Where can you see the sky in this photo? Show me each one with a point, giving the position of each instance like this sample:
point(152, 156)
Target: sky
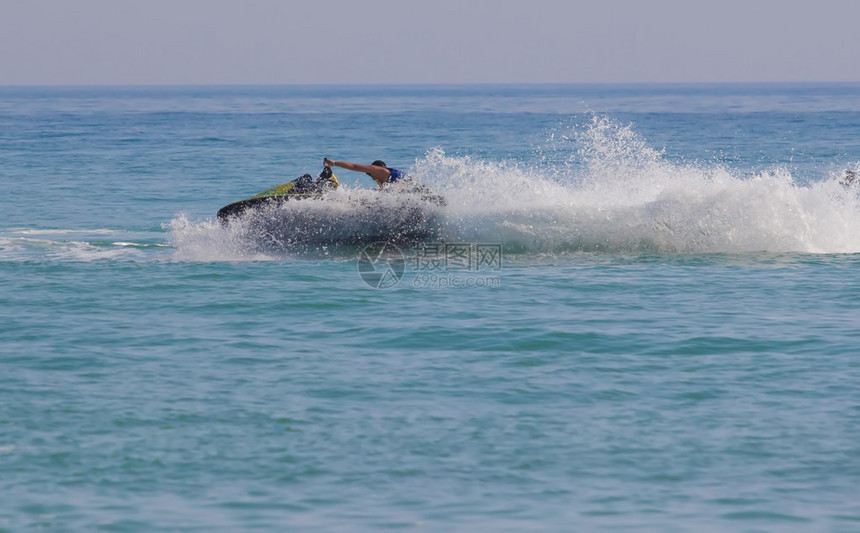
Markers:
point(165, 42)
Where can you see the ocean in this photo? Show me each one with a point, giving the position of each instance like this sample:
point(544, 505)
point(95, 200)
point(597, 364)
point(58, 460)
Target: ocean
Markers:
point(637, 309)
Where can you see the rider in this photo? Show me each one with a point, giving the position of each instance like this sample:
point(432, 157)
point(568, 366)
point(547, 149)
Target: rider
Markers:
point(377, 170)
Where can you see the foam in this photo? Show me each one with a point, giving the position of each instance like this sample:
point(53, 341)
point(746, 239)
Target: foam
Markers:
point(597, 188)
point(21, 244)
point(209, 241)
point(614, 193)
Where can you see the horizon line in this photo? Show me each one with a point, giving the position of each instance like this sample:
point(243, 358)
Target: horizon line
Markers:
point(424, 84)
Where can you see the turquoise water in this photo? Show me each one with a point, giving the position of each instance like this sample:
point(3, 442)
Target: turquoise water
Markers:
point(667, 341)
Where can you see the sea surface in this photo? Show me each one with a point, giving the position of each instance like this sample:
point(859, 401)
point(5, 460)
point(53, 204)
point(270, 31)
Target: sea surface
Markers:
point(638, 310)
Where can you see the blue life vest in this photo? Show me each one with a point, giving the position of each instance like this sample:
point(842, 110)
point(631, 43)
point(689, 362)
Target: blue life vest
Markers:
point(395, 176)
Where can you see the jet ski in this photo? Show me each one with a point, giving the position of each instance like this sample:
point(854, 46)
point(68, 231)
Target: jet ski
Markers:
point(309, 212)
point(301, 188)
